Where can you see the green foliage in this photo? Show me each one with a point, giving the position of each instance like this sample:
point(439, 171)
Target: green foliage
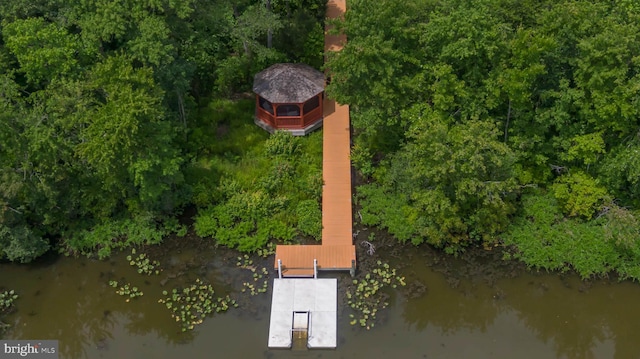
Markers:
point(247, 221)
point(458, 105)
point(44, 50)
point(282, 143)
point(313, 47)
point(21, 244)
point(143, 263)
point(585, 148)
point(310, 218)
point(543, 239)
point(268, 186)
point(451, 185)
point(7, 300)
point(621, 172)
point(151, 45)
point(232, 74)
point(361, 159)
point(127, 290)
point(98, 111)
point(579, 194)
point(114, 234)
point(172, 225)
point(366, 296)
point(623, 229)
point(393, 212)
point(190, 305)
point(296, 33)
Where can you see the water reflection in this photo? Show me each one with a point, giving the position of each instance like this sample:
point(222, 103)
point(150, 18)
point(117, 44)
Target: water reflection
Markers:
point(58, 310)
point(437, 309)
point(529, 316)
point(579, 320)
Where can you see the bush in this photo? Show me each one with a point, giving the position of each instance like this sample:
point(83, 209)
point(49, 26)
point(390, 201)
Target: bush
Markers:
point(260, 183)
point(115, 234)
point(379, 208)
point(231, 75)
point(310, 218)
point(544, 239)
point(21, 244)
point(282, 143)
point(242, 228)
point(579, 194)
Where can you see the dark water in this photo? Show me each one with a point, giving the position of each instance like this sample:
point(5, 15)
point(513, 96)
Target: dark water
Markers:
point(530, 316)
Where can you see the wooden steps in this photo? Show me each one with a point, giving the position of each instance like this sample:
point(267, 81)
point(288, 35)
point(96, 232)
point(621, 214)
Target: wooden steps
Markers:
point(297, 260)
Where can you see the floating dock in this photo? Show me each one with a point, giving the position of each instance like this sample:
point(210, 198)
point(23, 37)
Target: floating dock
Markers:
point(304, 308)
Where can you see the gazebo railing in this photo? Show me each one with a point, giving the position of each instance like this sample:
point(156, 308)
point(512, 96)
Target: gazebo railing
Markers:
point(312, 116)
point(265, 116)
point(289, 122)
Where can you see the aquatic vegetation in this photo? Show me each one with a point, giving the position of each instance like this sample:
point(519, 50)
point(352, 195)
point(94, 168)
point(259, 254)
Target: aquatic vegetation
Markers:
point(253, 290)
point(365, 296)
point(245, 262)
point(267, 251)
point(262, 274)
point(143, 263)
point(7, 298)
point(126, 290)
point(190, 305)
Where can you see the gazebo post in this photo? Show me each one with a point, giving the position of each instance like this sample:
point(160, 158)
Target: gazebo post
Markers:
point(257, 104)
point(301, 123)
point(275, 114)
point(321, 102)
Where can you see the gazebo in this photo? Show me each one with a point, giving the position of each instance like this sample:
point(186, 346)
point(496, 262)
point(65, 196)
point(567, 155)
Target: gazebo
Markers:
point(289, 97)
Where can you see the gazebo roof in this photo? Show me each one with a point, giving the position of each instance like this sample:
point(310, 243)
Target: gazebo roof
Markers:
point(288, 83)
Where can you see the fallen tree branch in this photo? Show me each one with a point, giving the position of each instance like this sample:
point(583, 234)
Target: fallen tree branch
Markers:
point(371, 250)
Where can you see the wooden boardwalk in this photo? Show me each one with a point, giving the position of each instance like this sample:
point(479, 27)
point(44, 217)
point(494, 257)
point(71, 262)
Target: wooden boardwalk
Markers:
point(337, 251)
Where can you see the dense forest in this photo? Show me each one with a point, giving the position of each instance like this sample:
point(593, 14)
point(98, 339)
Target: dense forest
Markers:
point(496, 123)
point(113, 123)
point(499, 123)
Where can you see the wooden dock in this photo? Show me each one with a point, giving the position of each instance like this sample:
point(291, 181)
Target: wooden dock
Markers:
point(337, 251)
point(307, 308)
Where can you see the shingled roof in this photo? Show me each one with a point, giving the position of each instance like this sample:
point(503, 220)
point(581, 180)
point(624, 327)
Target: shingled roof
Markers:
point(288, 83)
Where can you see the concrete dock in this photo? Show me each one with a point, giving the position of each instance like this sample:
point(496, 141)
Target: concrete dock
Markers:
point(296, 299)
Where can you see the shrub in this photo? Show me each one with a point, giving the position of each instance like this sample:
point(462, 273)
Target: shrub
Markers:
point(115, 234)
point(310, 218)
point(266, 191)
point(544, 239)
point(579, 194)
point(282, 143)
point(21, 244)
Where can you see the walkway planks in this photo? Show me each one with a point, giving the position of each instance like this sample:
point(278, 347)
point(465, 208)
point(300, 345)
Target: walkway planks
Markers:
point(336, 173)
point(337, 251)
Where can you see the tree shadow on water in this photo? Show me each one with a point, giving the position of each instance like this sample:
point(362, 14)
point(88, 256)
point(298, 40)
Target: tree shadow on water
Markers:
point(465, 310)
